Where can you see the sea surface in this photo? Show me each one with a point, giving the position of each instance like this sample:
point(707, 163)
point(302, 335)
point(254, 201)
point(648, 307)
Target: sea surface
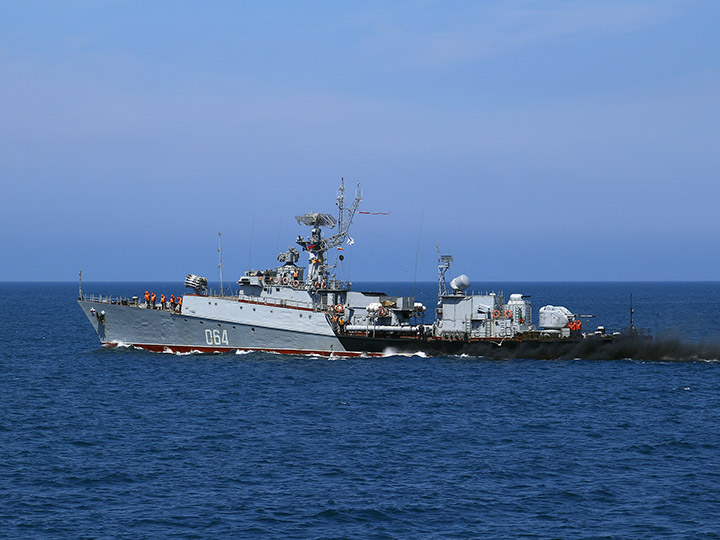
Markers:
point(122, 443)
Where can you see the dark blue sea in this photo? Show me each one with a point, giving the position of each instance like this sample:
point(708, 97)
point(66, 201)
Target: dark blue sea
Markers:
point(121, 443)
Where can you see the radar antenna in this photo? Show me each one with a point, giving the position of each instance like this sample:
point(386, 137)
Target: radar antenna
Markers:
point(316, 245)
point(316, 219)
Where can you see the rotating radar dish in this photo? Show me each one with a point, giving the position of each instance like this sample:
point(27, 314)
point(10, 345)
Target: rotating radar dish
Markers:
point(316, 219)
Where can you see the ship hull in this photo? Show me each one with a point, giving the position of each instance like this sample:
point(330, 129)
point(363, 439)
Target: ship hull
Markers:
point(162, 330)
point(268, 328)
point(540, 349)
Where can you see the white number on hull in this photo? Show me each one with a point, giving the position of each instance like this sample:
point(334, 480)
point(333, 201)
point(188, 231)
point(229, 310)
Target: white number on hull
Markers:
point(214, 337)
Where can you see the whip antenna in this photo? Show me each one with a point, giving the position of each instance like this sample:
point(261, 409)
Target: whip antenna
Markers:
point(220, 265)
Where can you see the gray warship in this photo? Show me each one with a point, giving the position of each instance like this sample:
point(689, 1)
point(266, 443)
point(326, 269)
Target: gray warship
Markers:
point(304, 309)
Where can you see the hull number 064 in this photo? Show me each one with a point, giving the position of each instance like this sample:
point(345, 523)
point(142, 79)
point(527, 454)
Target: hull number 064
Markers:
point(215, 337)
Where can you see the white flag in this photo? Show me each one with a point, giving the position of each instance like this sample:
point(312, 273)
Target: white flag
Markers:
point(350, 241)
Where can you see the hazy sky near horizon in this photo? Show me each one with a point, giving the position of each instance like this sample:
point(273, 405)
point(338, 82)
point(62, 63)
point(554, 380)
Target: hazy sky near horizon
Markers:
point(533, 140)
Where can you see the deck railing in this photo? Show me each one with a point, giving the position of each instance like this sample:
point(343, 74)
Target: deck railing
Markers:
point(110, 299)
point(136, 302)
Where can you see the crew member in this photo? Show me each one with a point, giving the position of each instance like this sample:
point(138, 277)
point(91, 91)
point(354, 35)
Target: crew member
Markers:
point(147, 299)
point(179, 299)
point(162, 301)
point(152, 299)
point(172, 302)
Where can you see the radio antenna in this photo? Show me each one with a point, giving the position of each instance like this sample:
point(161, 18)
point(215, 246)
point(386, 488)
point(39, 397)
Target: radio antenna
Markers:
point(252, 232)
point(417, 251)
point(220, 265)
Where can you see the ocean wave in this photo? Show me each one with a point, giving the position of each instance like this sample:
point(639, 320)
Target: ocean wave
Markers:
point(122, 345)
point(390, 352)
point(188, 353)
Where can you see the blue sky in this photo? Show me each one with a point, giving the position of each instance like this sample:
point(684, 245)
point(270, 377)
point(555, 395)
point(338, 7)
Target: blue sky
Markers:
point(533, 140)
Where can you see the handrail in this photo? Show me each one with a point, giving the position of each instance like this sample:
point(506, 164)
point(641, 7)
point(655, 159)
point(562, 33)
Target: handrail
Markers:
point(106, 299)
point(238, 297)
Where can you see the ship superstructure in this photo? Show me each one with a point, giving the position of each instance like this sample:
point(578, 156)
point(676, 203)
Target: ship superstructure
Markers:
point(297, 309)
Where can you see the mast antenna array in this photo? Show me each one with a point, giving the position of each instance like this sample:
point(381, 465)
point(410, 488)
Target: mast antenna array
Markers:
point(345, 217)
point(316, 245)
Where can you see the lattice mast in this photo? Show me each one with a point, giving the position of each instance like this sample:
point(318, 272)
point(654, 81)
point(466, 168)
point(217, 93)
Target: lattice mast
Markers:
point(443, 266)
point(315, 244)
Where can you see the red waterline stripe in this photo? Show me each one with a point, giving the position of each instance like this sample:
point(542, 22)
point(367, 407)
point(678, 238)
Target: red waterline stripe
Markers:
point(187, 349)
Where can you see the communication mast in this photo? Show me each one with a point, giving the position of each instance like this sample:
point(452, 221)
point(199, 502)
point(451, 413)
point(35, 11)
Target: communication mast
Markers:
point(315, 244)
point(443, 266)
